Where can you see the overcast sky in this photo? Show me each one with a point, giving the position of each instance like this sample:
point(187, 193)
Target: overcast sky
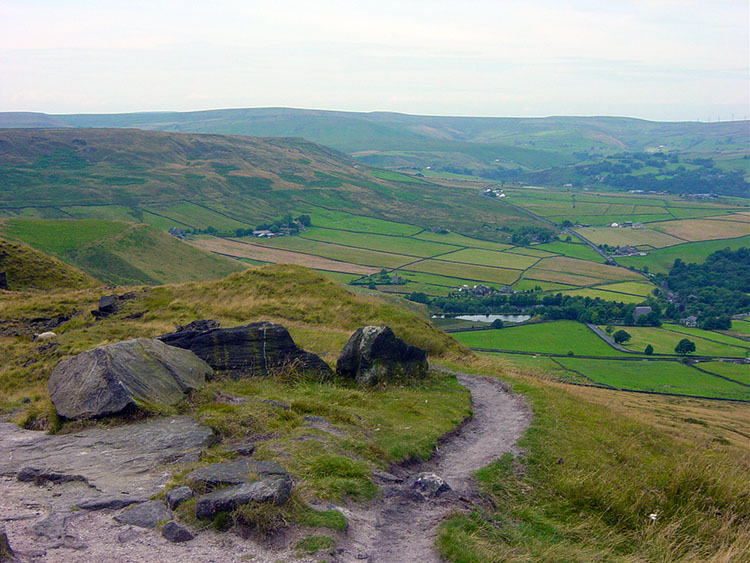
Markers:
point(655, 59)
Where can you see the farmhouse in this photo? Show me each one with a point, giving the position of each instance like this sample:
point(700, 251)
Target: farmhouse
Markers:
point(264, 233)
point(691, 321)
point(176, 232)
point(640, 311)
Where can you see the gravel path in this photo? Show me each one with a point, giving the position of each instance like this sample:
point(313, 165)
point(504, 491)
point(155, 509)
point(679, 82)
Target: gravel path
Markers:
point(402, 526)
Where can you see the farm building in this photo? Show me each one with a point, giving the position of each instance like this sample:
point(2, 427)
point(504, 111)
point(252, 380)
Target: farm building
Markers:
point(640, 311)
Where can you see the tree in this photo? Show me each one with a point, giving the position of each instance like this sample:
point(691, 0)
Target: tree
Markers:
point(609, 329)
point(621, 337)
point(497, 323)
point(684, 347)
point(648, 350)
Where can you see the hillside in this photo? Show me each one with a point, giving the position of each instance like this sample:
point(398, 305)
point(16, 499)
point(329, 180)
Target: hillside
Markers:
point(227, 182)
point(400, 140)
point(118, 253)
point(26, 268)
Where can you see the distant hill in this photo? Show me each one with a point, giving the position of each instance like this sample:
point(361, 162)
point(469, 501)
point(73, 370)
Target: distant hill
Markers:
point(227, 181)
point(393, 139)
point(116, 253)
point(26, 268)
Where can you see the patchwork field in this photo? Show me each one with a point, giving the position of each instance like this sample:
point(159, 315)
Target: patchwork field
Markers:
point(661, 260)
point(624, 236)
point(558, 337)
point(703, 229)
point(736, 372)
point(656, 377)
point(664, 339)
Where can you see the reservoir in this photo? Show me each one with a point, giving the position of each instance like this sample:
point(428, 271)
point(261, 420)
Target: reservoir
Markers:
point(488, 318)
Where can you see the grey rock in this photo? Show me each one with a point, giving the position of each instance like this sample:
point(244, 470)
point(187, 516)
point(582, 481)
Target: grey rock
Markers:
point(244, 450)
point(111, 379)
point(321, 423)
point(42, 476)
point(119, 462)
point(145, 515)
point(175, 497)
point(430, 484)
point(277, 404)
point(374, 355)
point(255, 349)
point(274, 490)
point(234, 472)
point(129, 535)
point(53, 532)
point(175, 533)
point(108, 304)
point(109, 503)
point(387, 477)
point(6, 552)
point(202, 325)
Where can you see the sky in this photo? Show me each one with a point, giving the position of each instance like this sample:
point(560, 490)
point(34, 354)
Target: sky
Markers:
point(670, 60)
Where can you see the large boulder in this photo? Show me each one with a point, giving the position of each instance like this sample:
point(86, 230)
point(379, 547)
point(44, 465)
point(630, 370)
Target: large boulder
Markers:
point(374, 355)
point(255, 349)
point(273, 490)
point(111, 379)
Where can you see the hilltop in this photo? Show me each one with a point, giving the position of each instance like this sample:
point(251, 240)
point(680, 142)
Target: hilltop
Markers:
point(26, 268)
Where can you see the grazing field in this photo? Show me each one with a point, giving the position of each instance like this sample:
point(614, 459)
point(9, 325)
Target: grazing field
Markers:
point(657, 377)
point(382, 243)
point(661, 260)
point(738, 217)
point(525, 284)
point(693, 230)
point(558, 337)
point(460, 240)
point(741, 326)
point(466, 271)
point(706, 334)
point(664, 340)
point(59, 237)
point(347, 221)
point(642, 289)
point(586, 268)
point(571, 250)
point(598, 291)
point(560, 277)
point(623, 236)
point(274, 255)
point(197, 216)
point(491, 258)
point(735, 372)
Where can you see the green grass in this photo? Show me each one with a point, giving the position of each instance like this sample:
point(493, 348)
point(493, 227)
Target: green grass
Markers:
point(664, 341)
point(660, 261)
point(198, 216)
point(574, 250)
point(633, 288)
point(735, 372)
point(596, 465)
point(461, 240)
point(558, 337)
point(121, 253)
point(383, 243)
point(707, 335)
point(490, 258)
point(601, 293)
point(496, 276)
point(350, 222)
point(657, 377)
point(741, 326)
point(26, 268)
point(524, 284)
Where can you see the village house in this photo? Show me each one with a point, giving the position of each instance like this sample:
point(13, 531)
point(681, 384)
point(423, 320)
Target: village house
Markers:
point(691, 321)
point(640, 311)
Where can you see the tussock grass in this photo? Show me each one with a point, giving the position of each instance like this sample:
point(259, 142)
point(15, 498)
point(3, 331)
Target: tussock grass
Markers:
point(597, 466)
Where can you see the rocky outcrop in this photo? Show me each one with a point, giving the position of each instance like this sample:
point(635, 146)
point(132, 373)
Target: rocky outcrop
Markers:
point(175, 497)
point(234, 472)
point(116, 464)
point(111, 379)
point(374, 355)
point(255, 349)
point(275, 490)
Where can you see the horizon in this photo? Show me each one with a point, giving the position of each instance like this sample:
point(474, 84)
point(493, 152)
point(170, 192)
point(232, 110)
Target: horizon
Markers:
point(659, 60)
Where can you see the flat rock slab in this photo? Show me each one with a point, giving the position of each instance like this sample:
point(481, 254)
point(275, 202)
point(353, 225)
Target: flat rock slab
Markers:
point(275, 490)
point(235, 472)
point(175, 533)
point(175, 497)
point(145, 515)
point(124, 461)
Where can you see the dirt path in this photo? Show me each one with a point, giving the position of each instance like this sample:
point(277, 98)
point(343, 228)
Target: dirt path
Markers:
point(401, 527)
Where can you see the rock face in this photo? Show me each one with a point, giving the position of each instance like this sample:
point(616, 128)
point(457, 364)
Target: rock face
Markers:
point(274, 490)
point(235, 472)
point(110, 379)
point(374, 355)
point(117, 464)
point(255, 349)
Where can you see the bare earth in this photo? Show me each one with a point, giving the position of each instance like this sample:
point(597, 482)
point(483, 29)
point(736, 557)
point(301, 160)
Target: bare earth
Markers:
point(400, 527)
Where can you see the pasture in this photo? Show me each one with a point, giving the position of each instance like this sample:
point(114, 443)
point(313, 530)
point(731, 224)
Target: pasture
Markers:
point(665, 339)
point(656, 377)
point(661, 260)
point(624, 236)
point(693, 230)
point(558, 337)
point(735, 372)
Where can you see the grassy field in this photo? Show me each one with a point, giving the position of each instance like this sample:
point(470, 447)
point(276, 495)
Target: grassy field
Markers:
point(664, 340)
point(572, 250)
point(491, 258)
point(597, 291)
point(558, 337)
point(693, 230)
point(384, 243)
point(741, 326)
point(26, 268)
point(735, 372)
point(642, 289)
point(661, 260)
point(657, 377)
point(622, 236)
point(121, 253)
point(466, 271)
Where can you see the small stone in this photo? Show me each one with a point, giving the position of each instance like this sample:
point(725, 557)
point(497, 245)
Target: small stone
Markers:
point(145, 515)
point(105, 503)
point(244, 450)
point(175, 533)
point(175, 497)
point(431, 484)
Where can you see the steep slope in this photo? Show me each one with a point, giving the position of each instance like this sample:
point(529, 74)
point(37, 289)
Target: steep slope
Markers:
point(239, 181)
point(120, 253)
point(26, 268)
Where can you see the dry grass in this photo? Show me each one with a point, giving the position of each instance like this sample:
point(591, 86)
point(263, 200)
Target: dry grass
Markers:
point(586, 268)
point(623, 236)
point(703, 229)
